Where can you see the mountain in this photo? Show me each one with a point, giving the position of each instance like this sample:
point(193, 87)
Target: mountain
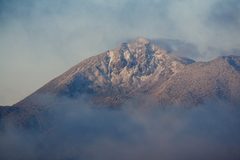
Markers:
point(140, 67)
point(139, 72)
point(114, 76)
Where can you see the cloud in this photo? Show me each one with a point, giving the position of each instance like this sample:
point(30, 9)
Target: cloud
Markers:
point(42, 39)
point(210, 131)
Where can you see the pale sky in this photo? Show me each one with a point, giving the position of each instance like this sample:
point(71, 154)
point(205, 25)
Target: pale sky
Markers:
point(39, 40)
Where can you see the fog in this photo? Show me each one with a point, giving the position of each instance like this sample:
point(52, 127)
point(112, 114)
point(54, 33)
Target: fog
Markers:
point(82, 131)
point(42, 39)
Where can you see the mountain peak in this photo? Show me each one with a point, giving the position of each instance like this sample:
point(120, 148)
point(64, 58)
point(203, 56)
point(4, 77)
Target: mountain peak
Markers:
point(120, 71)
point(129, 67)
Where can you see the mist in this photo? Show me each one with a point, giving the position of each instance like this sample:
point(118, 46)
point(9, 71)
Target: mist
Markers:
point(42, 39)
point(83, 131)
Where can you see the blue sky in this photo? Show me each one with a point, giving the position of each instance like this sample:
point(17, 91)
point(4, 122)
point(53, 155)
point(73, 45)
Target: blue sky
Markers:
point(39, 40)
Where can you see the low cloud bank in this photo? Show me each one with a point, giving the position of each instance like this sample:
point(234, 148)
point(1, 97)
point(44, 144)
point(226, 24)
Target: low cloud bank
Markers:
point(210, 131)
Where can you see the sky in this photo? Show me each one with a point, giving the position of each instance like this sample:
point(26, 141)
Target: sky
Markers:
point(39, 40)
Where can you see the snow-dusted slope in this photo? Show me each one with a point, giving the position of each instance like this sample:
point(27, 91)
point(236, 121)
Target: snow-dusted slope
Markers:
point(116, 73)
